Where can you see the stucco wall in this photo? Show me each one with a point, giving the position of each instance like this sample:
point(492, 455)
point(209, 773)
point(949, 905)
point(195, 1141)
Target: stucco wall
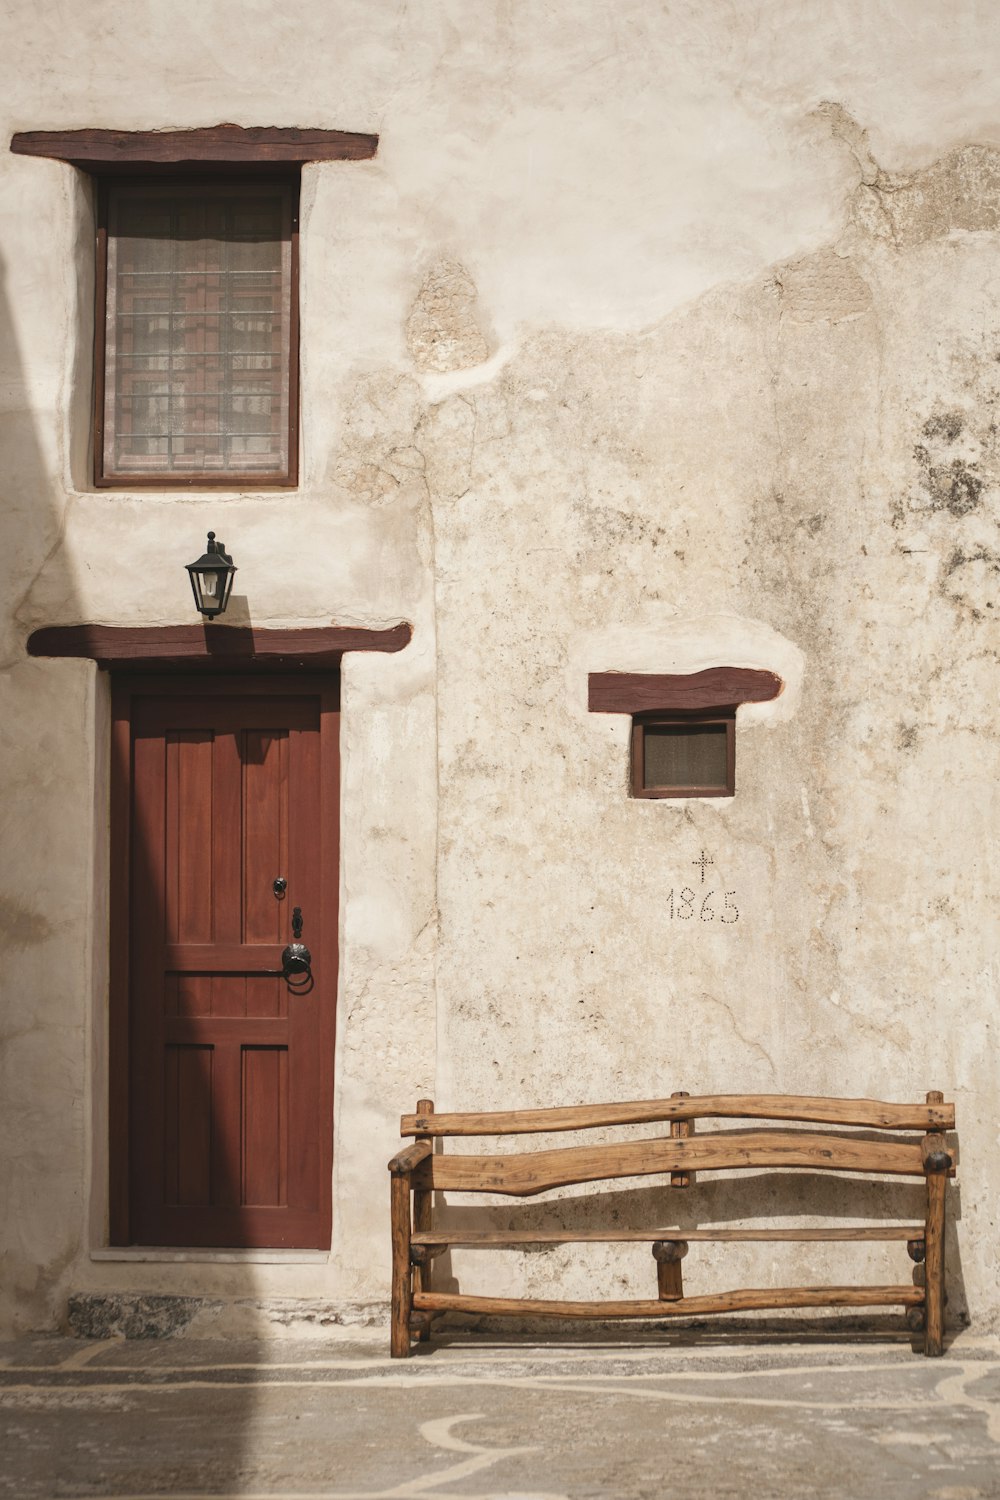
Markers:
point(651, 339)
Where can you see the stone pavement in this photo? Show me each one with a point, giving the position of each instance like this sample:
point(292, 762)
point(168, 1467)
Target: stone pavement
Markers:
point(480, 1417)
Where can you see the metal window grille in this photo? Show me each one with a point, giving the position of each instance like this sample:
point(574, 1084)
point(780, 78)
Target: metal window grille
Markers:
point(198, 330)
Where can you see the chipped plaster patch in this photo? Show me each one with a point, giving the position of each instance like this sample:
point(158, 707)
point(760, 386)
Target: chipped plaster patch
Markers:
point(825, 287)
point(443, 331)
point(973, 579)
point(958, 193)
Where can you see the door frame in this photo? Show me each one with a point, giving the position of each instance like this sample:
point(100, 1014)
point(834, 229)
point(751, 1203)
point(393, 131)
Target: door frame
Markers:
point(126, 688)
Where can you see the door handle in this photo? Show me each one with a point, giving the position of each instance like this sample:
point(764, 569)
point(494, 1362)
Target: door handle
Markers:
point(296, 960)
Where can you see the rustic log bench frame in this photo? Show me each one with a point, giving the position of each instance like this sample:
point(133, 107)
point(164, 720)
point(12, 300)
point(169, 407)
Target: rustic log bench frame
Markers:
point(418, 1171)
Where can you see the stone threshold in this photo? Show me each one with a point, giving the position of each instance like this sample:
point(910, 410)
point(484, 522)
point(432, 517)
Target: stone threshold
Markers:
point(144, 1315)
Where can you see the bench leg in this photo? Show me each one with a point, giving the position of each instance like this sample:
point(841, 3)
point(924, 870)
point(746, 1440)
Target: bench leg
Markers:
point(402, 1299)
point(934, 1265)
point(421, 1283)
point(422, 1207)
point(668, 1255)
point(935, 1159)
point(669, 1283)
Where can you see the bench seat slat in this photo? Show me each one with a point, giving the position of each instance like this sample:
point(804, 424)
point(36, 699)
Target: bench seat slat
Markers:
point(525, 1173)
point(721, 1302)
point(513, 1238)
point(874, 1114)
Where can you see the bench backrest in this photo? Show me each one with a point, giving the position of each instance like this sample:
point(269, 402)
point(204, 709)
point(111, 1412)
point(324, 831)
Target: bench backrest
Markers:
point(524, 1173)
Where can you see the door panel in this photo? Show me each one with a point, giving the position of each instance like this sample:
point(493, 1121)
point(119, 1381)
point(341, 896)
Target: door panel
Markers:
point(187, 1133)
point(230, 1069)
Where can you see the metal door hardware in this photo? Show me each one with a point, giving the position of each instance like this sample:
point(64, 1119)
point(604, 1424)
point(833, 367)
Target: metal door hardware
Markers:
point(296, 960)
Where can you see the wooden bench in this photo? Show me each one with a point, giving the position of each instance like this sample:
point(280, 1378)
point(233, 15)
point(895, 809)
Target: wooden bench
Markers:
point(883, 1150)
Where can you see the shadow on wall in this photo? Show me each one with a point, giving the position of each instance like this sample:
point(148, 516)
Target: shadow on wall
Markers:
point(54, 860)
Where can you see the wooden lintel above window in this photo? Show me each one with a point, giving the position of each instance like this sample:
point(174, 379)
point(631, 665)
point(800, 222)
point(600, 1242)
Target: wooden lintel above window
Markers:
point(230, 648)
point(212, 146)
point(691, 692)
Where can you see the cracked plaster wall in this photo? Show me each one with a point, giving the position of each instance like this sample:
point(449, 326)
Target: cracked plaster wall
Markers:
point(630, 350)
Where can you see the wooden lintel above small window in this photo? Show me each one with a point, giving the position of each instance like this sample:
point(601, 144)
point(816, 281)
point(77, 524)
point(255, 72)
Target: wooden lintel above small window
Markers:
point(167, 648)
point(212, 146)
point(690, 692)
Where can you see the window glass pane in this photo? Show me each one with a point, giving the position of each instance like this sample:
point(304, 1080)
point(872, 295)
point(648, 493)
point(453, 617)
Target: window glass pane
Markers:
point(685, 755)
point(198, 332)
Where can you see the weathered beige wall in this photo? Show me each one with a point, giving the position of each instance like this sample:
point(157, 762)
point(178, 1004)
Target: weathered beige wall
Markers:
point(652, 339)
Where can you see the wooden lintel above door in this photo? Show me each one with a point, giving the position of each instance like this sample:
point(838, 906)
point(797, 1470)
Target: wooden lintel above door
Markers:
point(171, 648)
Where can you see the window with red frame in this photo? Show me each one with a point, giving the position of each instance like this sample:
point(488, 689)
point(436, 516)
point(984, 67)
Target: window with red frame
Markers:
point(691, 755)
point(197, 332)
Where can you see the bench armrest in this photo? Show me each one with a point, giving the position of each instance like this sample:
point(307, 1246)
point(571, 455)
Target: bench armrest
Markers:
point(413, 1155)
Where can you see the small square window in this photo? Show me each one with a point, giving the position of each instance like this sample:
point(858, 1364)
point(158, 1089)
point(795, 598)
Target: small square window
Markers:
point(675, 756)
point(197, 332)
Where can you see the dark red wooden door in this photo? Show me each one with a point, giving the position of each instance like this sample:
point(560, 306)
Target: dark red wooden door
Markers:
point(230, 1068)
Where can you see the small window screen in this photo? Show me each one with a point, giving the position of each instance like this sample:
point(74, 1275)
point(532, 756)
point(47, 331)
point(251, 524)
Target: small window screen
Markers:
point(199, 338)
point(683, 759)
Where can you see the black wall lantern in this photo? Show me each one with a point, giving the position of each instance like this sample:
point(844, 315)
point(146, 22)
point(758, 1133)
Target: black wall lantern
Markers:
point(212, 578)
